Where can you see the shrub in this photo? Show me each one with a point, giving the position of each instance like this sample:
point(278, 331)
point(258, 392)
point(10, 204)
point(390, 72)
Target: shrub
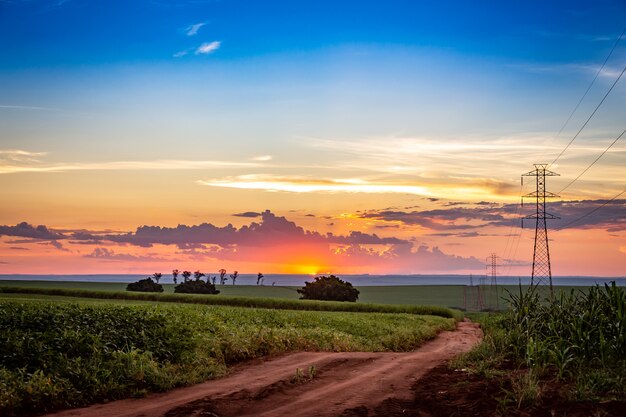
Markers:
point(144, 285)
point(196, 287)
point(330, 289)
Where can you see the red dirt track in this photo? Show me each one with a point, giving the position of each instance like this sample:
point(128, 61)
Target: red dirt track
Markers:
point(344, 383)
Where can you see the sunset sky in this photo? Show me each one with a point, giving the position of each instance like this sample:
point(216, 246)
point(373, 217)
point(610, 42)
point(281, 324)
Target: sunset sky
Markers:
point(307, 137)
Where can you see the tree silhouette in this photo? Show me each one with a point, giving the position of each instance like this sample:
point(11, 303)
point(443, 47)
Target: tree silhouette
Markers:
point(186, 275)
point(157, 277)
point(259, 278)
point(234, 276)
point(197, 275)
point(329, 288)
point(175, 273)
point(222, 276)
point(145, 285)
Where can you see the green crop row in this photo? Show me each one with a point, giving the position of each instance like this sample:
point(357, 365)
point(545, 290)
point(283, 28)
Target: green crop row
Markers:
point(254, 302)
point(63, 355)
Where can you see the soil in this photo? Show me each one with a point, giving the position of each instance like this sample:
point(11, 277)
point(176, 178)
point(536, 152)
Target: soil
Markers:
point(445, 392)
point(304, 384)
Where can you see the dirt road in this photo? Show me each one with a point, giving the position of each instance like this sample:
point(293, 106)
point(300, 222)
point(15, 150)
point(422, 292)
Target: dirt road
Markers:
point(328, 384)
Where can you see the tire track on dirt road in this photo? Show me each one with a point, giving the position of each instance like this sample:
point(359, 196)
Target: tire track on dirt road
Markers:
point(341, 381)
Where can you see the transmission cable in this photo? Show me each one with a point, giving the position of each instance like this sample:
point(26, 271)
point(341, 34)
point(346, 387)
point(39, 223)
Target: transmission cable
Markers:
point(590, 213)
point(589, 118)
point(593, 163)
point(591, 84)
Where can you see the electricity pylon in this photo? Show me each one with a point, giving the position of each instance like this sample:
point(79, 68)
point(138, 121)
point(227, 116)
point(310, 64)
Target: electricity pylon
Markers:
point(491, 266)
point(542, 272)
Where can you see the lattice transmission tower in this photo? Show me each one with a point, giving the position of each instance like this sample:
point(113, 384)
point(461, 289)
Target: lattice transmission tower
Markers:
point(492, 272)
point(542, 271)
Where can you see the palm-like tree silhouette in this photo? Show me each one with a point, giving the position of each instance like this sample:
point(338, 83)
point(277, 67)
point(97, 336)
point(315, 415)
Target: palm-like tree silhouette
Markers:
point(222, 276)
point(157, 276)
point(186, 275)
point(197, 275)
point(234, 276)
point(175, 273)
point(259, 278)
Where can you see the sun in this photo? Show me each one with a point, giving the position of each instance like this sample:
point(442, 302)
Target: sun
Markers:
point(306, 269)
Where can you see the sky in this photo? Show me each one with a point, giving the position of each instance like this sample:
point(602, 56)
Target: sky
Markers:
point(342, 137)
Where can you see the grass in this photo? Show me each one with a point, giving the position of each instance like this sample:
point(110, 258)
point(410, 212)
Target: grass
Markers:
point(438, 295)
point(272, 303)
point(62, 355)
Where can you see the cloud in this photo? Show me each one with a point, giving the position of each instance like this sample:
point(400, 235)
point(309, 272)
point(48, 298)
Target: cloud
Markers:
point(611, 217)
point(105, 254)
point(451, 221)
point(56, 244)
point(19, 161)
point(24, 229)
point(180, 54)
point(16, 107)
point(192, 30)
point(19, 156)
point(442, 219)
point(272, 239)
point(262, 158)
point(208, 48)
point(313, 185)
point(247, 214)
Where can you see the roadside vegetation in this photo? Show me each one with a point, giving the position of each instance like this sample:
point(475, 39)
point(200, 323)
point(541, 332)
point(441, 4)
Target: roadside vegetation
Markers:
point(543, 352)
point(252, 302)
point(62, 355)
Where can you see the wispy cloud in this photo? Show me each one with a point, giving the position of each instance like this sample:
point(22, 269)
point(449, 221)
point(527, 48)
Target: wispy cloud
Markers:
point(17, 161)
point(262, 158)
point(208, 48)
point(19, 156)
point(180, 54)
point(570, 68)
point(192, 30)
point(311, 185)
point(15, 107)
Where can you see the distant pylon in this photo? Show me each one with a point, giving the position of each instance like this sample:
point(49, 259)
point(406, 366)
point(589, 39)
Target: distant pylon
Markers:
point(542, 271)
point(492, 265)
point(473, 297)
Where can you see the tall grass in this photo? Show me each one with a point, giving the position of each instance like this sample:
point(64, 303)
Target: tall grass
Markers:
point(578, 338)
point(576, 334)
point(254, 302)
point(62, 355)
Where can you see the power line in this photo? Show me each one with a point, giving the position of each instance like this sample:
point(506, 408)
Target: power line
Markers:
point(589, 118)
point(591, 84)
point(590, 213)
point(508, 238)
point(593, 163)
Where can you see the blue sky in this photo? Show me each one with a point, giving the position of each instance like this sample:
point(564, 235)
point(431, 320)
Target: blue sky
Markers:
point(72, 33)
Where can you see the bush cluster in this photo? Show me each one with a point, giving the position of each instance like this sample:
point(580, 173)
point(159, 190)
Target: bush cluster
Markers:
point(329, 288)
point(196, 287)
point(144, 285)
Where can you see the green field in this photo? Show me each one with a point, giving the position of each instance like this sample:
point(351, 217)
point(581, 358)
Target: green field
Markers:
point(60, 352)
point(437, 295)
